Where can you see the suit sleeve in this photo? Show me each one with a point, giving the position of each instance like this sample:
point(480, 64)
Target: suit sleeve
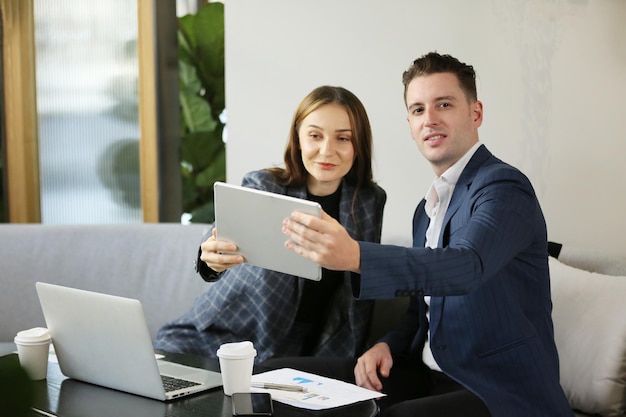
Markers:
point(496, 220)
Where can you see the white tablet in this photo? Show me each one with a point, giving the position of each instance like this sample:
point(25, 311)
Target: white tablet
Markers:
point(253, 220)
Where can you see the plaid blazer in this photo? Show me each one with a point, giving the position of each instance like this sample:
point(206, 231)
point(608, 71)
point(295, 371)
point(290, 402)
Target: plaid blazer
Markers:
point(256, 304)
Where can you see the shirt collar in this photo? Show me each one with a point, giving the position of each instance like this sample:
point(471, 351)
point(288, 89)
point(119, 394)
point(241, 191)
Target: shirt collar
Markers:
point(449, 178)
point(452, 174)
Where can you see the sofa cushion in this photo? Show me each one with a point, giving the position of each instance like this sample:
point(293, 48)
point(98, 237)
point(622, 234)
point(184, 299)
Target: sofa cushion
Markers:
point(590, 331)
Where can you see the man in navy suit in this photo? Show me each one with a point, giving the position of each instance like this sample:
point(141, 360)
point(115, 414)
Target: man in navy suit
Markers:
point(477, 339)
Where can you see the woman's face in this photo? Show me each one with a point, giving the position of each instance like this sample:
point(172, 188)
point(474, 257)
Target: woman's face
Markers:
point(326, 148)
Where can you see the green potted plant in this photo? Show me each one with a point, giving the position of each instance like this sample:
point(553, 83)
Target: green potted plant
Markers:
point(202, 104)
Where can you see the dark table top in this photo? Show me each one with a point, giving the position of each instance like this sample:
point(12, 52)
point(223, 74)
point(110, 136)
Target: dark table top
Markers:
point(65, 397)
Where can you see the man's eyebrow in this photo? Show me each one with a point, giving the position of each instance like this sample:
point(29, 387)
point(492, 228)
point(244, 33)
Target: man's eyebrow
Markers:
point(436, 100)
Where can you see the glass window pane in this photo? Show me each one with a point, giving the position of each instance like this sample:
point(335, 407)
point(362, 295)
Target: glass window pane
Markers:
point(87, 99)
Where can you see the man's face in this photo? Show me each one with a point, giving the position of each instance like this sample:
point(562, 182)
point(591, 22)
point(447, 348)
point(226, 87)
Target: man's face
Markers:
point(442, 121)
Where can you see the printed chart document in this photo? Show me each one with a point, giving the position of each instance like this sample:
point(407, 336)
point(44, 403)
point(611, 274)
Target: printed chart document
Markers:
point(319, 392)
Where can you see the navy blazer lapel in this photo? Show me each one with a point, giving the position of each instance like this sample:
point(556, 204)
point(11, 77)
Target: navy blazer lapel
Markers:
point(420, 225)
point(458, 196)
point(462, 187)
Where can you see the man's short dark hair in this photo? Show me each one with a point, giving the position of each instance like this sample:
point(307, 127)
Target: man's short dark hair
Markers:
point(434, 63)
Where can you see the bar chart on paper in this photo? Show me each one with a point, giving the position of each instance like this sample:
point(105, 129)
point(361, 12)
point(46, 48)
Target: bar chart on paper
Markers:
point(316, 392)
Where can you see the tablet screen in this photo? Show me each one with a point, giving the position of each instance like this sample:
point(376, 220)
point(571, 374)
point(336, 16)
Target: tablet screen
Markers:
point(253, 220)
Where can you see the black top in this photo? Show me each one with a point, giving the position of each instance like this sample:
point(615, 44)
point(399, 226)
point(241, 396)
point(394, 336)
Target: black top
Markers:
point(317, 295)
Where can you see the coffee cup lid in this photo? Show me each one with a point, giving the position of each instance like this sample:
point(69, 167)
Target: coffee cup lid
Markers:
point(237, 350)
point(34, 335)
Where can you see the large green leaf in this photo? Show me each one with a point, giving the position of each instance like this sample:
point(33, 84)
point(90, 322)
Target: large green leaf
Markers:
point(190, 194)
point(185, 51)
point(205, 35)
point(204, 213)
point(200, 149)
point(210, 44)
point(214, 172)
point(188, 78)
point(196, 113)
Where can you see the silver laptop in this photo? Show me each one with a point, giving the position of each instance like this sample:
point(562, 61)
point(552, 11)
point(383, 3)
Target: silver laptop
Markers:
point(104, 340)
point(253, 220)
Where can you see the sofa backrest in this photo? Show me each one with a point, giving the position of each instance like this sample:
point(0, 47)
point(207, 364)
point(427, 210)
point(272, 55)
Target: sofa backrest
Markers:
point(152, 262)
point(589, 314)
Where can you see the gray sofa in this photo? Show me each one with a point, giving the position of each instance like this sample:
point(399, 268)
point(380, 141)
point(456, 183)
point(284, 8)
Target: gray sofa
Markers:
point(151, 262)
point(155, 264)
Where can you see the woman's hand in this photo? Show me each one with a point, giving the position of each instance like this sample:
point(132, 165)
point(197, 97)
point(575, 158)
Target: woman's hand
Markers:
point(218, 255)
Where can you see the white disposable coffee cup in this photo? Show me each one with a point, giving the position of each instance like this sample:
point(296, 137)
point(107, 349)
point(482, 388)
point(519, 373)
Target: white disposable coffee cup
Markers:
point(33, 346)
point(236, 362)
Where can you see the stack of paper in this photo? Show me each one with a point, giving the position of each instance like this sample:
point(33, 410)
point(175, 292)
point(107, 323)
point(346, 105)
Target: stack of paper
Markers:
point(318, 392)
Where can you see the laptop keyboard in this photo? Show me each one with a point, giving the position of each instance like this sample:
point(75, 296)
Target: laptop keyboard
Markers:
point(173, 384)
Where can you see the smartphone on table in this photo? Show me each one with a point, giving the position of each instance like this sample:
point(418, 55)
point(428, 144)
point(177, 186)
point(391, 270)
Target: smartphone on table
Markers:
point(252, 404)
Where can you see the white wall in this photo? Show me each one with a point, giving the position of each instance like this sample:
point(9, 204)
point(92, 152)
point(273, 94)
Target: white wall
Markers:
point(551, 75)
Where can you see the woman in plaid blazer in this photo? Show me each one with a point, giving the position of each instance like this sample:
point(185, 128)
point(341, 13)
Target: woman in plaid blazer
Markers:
point(328, 160)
